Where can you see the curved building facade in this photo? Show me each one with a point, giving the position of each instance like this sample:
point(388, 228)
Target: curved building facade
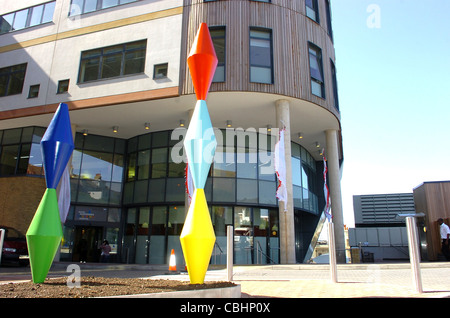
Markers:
point(121, 67)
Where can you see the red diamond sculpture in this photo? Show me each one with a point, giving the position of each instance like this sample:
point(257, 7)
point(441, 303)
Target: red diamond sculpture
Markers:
point(202, 61)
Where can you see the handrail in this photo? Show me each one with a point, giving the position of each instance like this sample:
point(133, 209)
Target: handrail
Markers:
point(259, 253)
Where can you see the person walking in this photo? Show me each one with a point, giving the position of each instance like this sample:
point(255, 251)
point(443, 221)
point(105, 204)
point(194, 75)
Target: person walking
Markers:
point(106, 249)
point(445, 237)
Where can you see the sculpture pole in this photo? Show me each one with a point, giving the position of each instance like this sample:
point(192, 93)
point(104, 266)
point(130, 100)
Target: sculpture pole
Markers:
point(45, 231)
point(197, 237)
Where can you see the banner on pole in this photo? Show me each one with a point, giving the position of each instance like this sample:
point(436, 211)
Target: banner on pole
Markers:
point(280, 168)
point(325, 188)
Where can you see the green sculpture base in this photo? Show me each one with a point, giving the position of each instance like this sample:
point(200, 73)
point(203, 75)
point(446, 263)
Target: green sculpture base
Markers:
point(44, 236)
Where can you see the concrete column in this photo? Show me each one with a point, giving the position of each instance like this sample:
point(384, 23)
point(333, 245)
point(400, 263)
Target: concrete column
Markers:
point(286, 216)
point(334, 182)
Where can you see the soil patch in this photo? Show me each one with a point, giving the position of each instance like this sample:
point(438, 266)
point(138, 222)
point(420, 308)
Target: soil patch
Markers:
point(100, 287)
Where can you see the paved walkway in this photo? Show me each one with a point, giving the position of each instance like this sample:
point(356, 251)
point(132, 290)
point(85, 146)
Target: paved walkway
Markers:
point(287, 281)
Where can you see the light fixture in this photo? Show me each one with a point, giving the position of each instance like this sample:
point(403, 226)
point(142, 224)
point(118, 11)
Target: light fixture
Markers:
point(115, 129)
point(269, 127)
point(181, 123)
point(85, 132)
point(300, 136)
point(228, 123)
point(317, 145)
point(147, 126)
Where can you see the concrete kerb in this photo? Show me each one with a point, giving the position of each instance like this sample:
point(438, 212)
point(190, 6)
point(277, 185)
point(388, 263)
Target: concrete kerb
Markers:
point(226, 292)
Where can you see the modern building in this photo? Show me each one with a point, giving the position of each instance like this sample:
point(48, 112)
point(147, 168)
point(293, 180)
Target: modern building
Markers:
point(380, 233)
point(121, 67)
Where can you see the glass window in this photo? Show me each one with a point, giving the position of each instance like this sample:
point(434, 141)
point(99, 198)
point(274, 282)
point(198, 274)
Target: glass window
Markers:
point(176, 169)
point(28, 17)
point(23, 159)
point(112, 61)
point(247, 163)
point(140, 191)
point(36, 15)
point(160, 71)
point(35, 162)
point(109, 3)
point(221, 217)
point(312, 10)
point(34, 91)
point(142, 236)
point(267, 192)
point(296, 168)
point(160, 139)
point(20, 19)
point(266, 166)
point(224, 190)
point(85, 6)
point(63, 86)
point(176, 220)
point(175, 190)
point(218, 38)
point(158, 236)
point(143, 164)
point(224, 163)
point(27, 134)
point(247, 191)
point(12, 136)
point(8, 160)
point(115, 194)
point(329, 25)
point(129, 235)
point(6, 22)
point(156, 190)
point(12, 79)
point(261, 56)
point(89, 6)
point(96, 166)
point(48, 12)
point(159, 162)
point(297, 194)
point(316, 71)
point(131, 168)
point(335, 87)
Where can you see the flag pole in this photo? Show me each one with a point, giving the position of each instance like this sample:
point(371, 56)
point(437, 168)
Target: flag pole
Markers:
point(331, 237)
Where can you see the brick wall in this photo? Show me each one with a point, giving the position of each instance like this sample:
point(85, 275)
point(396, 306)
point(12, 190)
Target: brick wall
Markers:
point(19, 199)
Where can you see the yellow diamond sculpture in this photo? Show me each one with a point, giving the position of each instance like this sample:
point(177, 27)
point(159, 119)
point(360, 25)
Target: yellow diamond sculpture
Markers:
point(197, 238)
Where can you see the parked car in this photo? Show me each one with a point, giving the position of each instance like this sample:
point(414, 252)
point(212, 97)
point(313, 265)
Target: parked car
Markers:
point(15, 250)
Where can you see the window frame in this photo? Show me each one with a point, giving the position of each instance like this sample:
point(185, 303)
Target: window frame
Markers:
point(98, 6)
point(28, 18)
point(224, 62)
point(9, 72)
point(101, 57)
point(319, 59)
point(270, 40)
point(314, 8)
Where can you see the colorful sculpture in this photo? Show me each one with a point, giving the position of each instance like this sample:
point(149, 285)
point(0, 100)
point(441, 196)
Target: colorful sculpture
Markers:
point(197, 237)
point(45, 231)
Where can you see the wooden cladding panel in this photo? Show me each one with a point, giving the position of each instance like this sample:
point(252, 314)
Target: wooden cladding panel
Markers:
point(291, 32)
point(433, 199)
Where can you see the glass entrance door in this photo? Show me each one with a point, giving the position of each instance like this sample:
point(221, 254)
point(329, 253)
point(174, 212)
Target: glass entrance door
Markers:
point(87, 243)
point(243, 236)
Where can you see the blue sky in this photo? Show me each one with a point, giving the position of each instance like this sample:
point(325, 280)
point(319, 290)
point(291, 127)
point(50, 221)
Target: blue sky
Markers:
point(393, 70)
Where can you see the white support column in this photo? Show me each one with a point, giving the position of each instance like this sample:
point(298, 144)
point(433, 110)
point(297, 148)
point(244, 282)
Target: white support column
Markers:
point(286, 219)
point(334, 176)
